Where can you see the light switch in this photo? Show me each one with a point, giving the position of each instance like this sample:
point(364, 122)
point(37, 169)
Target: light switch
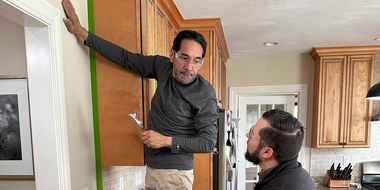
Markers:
point(346, 160)
point(138, 178)
point(121, 183)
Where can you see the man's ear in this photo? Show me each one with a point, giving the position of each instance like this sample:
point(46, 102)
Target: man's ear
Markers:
point(171, 55)
point(268, 152)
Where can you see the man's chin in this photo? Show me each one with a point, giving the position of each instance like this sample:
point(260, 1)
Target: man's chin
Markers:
point(252, 157)
point(185, 80)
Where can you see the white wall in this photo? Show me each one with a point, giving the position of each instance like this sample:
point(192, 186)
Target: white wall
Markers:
point(78, 95)
point(78, 102)
point(270, 70)
point(12, 48)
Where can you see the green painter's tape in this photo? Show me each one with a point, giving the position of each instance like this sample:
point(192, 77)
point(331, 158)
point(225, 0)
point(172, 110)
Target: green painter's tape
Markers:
point(94, 89)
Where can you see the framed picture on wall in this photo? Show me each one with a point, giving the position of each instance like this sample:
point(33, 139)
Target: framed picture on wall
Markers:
point(15, 131)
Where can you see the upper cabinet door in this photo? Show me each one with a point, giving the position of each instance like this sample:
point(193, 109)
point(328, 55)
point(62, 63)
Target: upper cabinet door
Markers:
point(361, 72)
point(158, 28)
point(119, 90)
point(331, 95)
point(148, 9)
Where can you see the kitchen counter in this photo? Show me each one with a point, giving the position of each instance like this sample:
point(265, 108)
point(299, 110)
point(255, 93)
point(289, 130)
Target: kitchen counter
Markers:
point(322, 187)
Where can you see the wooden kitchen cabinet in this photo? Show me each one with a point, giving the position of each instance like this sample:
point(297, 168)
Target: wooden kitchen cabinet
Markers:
point(119, 90)
point(341, 113)
point(158, 28)
point(147, 27)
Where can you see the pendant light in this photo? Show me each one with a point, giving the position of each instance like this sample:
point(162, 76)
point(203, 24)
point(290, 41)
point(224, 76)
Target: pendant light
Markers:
point(374, 92)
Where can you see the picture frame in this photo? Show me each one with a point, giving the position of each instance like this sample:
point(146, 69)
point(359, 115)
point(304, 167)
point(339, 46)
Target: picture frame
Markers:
point(16, 160)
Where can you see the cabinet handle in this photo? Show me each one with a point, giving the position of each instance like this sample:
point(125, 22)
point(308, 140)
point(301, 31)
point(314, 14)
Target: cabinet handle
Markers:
point(343, 143)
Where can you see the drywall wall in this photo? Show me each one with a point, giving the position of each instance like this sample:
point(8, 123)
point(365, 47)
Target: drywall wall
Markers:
point(12, 48)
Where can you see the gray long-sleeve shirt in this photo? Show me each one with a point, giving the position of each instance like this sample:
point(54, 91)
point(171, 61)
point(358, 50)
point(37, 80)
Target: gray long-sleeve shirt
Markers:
point(186, 112)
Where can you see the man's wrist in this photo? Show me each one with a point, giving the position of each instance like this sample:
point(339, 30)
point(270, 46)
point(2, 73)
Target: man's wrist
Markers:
point(169, 142)
point(83, 34)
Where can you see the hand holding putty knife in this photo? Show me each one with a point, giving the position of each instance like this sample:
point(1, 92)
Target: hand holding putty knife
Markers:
point(151, 138)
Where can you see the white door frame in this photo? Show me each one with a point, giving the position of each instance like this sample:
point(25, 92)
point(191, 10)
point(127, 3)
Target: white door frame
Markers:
point(42, 24)
point(235, 92)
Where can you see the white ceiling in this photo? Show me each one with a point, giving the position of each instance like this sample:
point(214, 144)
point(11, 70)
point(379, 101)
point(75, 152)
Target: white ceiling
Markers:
point(297, 25)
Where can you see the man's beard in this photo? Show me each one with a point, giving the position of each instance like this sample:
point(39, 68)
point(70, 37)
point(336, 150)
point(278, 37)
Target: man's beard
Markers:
point(183, 80)
point(253, 157)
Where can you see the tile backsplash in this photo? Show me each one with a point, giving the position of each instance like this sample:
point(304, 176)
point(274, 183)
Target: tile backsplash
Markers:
point(322, 159)
point(123, 177)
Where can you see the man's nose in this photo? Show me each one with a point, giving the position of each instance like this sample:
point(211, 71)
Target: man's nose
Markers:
point(189, 66)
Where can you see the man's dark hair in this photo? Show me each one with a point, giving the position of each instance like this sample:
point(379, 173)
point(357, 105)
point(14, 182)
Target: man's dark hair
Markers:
point(284, 135)
point(189, 35)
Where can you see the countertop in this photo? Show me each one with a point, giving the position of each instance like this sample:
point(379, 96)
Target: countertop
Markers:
point(322, 187)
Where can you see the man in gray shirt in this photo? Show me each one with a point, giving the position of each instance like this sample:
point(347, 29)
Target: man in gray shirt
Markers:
point(183, 115)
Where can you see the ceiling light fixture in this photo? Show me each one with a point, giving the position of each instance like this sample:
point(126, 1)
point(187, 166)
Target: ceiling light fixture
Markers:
point(270, 43)
point(377, 39)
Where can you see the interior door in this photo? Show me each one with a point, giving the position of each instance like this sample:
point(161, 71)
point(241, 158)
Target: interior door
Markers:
point(250, 110)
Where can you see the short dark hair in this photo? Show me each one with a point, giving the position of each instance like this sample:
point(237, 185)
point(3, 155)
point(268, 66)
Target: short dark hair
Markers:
point(189, 35)
point(284, 136)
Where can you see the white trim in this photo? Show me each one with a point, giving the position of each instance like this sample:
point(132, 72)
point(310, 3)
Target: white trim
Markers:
point(43, 41)
point(301, 89)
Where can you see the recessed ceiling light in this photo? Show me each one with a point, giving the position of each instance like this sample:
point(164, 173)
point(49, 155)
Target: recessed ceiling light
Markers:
point(377, 39)
point(270, 43)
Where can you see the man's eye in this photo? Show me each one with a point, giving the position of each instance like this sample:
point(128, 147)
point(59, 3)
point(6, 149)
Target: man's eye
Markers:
point(184, 58)
point(197, 60)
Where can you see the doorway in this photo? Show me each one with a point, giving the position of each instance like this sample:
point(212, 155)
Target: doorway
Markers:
point(265, 97)
point(250, 110)
point(47, 106)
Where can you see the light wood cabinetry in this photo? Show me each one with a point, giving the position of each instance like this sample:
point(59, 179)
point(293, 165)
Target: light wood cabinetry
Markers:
point(119, 90)
point(147, 27)
point(158, 28)
point(341, 114)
